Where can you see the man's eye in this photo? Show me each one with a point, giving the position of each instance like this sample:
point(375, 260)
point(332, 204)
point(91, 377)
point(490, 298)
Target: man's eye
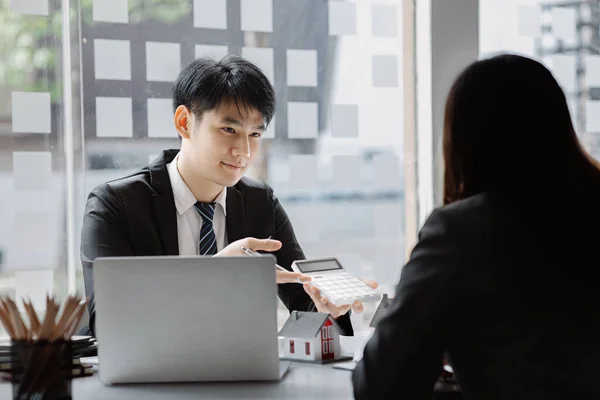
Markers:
point(256, 134)
point(230, 130)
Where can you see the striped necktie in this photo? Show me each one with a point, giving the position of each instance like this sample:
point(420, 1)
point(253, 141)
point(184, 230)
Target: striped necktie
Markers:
point(208, 241)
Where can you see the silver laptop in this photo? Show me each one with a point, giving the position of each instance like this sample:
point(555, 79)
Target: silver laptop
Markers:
point(182, 319)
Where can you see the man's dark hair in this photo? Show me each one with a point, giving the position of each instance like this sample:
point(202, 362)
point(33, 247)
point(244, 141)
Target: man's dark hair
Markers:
point(206, 84)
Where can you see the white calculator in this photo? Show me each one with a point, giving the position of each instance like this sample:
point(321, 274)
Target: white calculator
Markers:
point(334, 282)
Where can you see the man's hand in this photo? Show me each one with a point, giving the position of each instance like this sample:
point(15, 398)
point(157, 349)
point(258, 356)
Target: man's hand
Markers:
point(324, 305)
point(269, 245)
point(235, 248)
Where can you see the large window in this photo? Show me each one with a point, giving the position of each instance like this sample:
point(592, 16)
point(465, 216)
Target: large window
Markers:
point(36, 175)
point(563, 35)
point(79, 111)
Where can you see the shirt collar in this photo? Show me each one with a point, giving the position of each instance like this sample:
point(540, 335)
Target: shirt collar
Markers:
point(184, 198)
point(222, 200)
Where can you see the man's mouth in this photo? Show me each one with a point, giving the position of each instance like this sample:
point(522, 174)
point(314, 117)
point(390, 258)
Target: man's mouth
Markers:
point(234, 166)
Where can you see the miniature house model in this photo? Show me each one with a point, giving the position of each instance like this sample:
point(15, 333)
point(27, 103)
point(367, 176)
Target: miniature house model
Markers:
point(311, 336)
point(382, 310)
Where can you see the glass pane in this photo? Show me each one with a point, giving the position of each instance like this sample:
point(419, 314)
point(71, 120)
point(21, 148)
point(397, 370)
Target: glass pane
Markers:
point(334, 151)
point(32, 160)
point(565, 37)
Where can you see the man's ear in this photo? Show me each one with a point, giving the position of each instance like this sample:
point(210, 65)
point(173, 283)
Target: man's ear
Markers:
point(183, 121)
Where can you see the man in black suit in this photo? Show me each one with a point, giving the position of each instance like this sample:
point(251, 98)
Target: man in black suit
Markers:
point(195, 200)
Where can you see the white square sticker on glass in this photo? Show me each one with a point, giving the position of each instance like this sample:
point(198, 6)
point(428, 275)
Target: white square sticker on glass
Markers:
point(217, 53)
point(306, 218)
point(32, 171)
point(257, 15)
point(262, 57)
point(160, 119)
point(564, 23)
point(41, 228)
point(304, 172)
point(303, 120)
point(344, 120)
point(383, 20)
point(270, 132)
point(386, 171)
point(112, 59)
point(210, 14)
point(342, 18)
point(302, 68)
point(115, 11)
point(385, 71)
point(28, 104)
point(362, 218)
point(34, 285)
point(346, 172)
point(529, 21)
point(564, 68)
point(33, 7)
point(114, 117)
point(592, 113)
point(163, 61)
point(592, 71)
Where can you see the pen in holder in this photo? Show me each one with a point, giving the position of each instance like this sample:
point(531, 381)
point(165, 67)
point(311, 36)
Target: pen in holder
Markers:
point(41, 354)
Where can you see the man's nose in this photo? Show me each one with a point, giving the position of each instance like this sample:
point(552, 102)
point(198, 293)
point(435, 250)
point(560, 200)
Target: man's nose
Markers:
point(242, 147)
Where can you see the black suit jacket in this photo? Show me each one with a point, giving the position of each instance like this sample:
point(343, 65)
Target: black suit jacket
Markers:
point(136, 216)
point(480, 288)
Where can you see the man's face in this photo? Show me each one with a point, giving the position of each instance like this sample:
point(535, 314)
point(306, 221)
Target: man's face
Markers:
point(224, 142)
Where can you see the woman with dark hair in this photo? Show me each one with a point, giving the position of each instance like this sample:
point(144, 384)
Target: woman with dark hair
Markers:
point(505, 276)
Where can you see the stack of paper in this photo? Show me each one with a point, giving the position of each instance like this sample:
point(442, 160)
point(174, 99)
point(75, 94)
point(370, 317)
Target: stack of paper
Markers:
point(82, 346)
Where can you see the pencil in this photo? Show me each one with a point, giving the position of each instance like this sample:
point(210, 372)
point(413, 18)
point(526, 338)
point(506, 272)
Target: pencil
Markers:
point(253, 253)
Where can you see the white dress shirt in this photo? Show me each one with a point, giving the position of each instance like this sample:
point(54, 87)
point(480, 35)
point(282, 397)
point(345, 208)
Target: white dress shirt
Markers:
point(189, 220)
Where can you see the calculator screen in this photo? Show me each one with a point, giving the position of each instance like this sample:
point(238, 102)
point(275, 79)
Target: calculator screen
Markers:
point(314, 266)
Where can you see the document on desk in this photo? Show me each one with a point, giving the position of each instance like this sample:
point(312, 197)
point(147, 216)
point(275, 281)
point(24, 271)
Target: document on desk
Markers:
point(89, 360)
point(349, 365)
point(346, 365)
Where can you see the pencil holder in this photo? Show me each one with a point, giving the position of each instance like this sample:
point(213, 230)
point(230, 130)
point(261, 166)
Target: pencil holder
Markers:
point(41, 370)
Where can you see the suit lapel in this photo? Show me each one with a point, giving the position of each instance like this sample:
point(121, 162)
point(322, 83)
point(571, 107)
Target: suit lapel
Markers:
point(165, 213)
point(236, 215)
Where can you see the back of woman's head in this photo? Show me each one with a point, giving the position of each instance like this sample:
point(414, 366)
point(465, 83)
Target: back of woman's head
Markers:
point(508, 129)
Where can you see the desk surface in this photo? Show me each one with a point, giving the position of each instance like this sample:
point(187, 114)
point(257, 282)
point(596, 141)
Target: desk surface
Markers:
point(302, 381)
